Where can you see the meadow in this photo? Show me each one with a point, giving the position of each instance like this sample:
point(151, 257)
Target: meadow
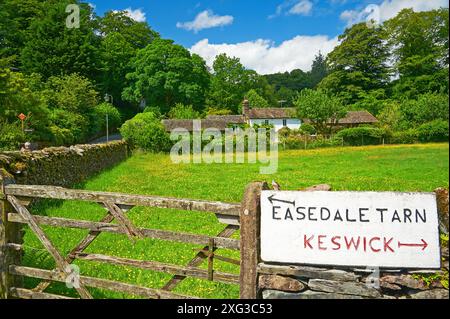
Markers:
point(421, 167)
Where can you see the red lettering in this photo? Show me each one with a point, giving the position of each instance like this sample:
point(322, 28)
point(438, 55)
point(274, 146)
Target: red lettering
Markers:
point(386, 244)
point(321, 242)
point(371, 246)
point(308, 242)
point(351, 243)
point(335, 241)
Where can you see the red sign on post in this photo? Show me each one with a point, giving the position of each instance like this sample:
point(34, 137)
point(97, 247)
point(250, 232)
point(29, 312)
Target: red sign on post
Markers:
point(22, 116)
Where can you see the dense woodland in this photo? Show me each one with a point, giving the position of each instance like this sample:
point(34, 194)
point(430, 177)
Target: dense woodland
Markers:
point(59, 77)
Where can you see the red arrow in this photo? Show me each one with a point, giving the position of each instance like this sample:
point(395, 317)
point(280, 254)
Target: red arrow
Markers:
point(424, 245)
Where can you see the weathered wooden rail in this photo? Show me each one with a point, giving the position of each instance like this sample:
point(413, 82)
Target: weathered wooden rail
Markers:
point(14, 200)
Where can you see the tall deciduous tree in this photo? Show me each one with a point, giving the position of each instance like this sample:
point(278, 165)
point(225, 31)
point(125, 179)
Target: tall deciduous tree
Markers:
point(121, 38)
point(419, 42)
point(136, 34)
point(255, 100)
point(230, 82)
point(358, 63)
point(165, 74)
point(15, 18)
point(52, 48)
point(321, 108)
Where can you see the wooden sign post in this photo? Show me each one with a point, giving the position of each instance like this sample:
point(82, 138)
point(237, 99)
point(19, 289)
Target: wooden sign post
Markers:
point(364, 229)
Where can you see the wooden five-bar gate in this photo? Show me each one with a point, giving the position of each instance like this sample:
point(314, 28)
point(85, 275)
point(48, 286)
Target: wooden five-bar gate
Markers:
point(15, 198)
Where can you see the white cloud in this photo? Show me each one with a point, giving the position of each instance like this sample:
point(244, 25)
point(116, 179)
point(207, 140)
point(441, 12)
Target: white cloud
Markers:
point(206, 20)
point(265, 57)
point(389, 9)
point(293, 7)
point(303, 8)
point(137, 14)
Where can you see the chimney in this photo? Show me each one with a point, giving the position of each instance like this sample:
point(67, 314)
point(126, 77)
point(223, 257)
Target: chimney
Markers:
point(245, 107)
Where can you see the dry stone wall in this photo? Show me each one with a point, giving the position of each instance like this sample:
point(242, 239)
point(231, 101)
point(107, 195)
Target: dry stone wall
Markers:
point(62, 166)
point(304, 282)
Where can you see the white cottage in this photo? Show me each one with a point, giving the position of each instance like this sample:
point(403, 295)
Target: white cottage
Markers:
point(278, 117)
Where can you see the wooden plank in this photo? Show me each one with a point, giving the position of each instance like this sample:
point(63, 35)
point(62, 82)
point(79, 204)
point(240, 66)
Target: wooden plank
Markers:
point(228, 220)
point(220, 242)
point(82, 245)
point(198, 259)
point(39, 191)
point(250, 239)
point(97, 283)
point(60, 262)
point(30, 294)
point(10, 234)
point(211, 260)
point(124, 222)
point(161, 267)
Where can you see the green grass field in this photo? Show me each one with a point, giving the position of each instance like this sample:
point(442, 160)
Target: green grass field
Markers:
point(380, 168)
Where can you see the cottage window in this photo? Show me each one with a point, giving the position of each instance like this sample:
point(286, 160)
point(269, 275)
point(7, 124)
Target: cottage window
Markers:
point(266, 122)
point(284, 122)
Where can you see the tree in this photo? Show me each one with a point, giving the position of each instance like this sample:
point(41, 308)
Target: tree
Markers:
point(17, 96)
point(229, 83)
point(15, 18)
point(285, 96)
point(136, 34)
point(296, 80)
point(321, 108)
point(419, 41)
point(71, 100)
point(53, 49)
point(255, 100)
point(358, 63)
point(318, 70)
point(121, 37)
point(164, 74)
point(181, 111)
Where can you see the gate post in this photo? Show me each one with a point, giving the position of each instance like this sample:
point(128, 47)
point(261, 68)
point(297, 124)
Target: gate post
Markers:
point(10, 233)
point(250, 239)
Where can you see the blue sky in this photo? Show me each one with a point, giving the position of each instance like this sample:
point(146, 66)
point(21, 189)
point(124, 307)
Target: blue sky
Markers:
point(268, 35)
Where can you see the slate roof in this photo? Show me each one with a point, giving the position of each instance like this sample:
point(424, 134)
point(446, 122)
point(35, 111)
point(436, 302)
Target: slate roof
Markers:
point(271, 113)
point(358, 117)
point(219, 123)
point(222, 122)
point(355, 118)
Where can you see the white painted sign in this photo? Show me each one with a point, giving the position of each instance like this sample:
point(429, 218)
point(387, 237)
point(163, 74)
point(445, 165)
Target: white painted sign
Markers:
point(365, 229)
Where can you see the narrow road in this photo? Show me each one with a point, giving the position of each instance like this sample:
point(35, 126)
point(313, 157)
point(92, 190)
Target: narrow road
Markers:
point(112, 137)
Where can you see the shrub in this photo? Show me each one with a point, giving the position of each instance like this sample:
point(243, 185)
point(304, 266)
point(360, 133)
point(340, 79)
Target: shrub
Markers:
point(294, 143)
point(76, 124)
point(146, 131)
point(363, 135)
point(302, 142)
point(404, 137)
point(308, 129)
point(435, 131)
point(324, 142)
point(153, 109)
point(114, 117)
point(11, 136)
point(181, 111)
point(61, 136)
point(427, 108)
